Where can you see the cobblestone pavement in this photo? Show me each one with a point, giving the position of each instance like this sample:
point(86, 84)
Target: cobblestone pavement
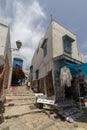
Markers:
point(22, 114)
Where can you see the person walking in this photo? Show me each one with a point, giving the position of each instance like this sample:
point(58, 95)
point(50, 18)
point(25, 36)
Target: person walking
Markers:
point(28, 85)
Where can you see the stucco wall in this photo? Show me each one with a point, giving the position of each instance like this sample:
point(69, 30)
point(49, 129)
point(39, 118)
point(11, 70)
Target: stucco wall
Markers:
point(3, 36)
point(44, 64)
point(57, 33)
point(5, 51)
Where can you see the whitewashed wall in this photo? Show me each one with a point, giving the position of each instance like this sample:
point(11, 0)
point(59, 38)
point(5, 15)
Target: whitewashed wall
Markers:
point(5, 44)
point(58, 32)
point(44, 64)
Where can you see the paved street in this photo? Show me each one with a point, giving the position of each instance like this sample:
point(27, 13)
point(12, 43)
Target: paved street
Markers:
point(22, 114)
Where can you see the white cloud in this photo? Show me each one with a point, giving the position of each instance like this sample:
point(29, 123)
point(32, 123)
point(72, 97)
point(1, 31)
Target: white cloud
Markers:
point(37, 9)
point(26, 25)
point(23, 27)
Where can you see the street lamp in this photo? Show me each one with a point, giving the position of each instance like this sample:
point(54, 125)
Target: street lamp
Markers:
point(19, 44)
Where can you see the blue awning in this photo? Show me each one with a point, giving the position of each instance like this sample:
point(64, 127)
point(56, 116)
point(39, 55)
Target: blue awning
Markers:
point(75, 67)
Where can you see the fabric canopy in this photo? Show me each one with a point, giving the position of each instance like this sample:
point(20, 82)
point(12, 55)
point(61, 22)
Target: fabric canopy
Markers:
point(75, 67)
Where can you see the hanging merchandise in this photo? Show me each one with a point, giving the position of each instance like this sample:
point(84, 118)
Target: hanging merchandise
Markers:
point(80, 76)
point(65, 77)
point(85, 86)
point(85, 79)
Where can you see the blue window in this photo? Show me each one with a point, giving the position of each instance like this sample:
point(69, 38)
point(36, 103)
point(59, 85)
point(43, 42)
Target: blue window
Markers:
point(37, 74)
point(44, 47)
point(67, 44)
point(45, 50)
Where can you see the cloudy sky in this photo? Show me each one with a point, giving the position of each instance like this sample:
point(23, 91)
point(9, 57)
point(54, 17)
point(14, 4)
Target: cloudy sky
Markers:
point(29, 19)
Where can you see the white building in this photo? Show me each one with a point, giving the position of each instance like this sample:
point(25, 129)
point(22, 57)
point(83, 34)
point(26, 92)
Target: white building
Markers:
point(5, 52)
point(58, 47)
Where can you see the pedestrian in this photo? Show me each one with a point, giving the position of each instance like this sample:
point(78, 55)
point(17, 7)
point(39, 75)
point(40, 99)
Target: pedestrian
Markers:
point(28, 84)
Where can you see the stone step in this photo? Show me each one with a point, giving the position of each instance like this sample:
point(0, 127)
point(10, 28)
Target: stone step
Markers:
point(20, 112)
point(19, 98)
